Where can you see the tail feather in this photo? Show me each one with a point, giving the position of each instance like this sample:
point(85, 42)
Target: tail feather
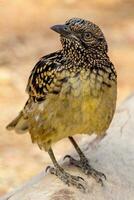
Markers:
point(19, 124)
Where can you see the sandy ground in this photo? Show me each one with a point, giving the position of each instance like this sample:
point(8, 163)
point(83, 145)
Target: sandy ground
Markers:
point(25, 37)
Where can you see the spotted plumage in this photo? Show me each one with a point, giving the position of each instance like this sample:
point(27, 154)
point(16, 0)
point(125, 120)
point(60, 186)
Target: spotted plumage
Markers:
point(71, 91)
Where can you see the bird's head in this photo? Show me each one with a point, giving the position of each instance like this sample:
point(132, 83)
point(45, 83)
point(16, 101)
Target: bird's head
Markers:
point(82, 33)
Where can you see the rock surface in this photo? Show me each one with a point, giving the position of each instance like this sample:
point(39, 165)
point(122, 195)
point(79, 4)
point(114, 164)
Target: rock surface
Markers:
point(113, 155)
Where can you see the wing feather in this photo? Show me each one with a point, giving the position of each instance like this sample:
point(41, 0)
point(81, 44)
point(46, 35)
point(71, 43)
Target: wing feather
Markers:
point(44, 76)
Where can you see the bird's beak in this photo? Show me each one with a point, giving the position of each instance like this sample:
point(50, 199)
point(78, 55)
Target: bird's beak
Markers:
point(62, 29)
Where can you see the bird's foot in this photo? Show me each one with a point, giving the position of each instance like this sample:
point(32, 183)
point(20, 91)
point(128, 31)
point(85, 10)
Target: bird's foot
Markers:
point(86, 168)
point(67, 178)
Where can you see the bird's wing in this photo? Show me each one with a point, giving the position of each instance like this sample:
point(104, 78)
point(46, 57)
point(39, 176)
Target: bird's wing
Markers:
point(46, 76)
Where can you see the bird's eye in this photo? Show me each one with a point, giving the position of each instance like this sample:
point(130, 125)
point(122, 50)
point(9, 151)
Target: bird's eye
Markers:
point(87, 35)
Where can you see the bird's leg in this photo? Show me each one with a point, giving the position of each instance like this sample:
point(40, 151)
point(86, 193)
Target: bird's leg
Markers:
point(67, 178)
point(83, 163)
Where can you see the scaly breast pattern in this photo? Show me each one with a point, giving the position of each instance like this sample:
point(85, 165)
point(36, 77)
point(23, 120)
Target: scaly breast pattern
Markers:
point(85, 105)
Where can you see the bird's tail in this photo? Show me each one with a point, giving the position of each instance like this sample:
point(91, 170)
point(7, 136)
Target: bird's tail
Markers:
point(19, 124)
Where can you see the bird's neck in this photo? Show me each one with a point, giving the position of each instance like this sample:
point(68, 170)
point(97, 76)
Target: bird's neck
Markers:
point(75, 53)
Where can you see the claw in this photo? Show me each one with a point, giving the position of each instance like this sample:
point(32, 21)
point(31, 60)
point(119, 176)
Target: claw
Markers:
point(104, 176)
point(67, 178)
point(67, 156)
point(80, 178)
point(80, 186)
point(50, 169)
point(87, 169)
point(47, 168)
point(101, 182)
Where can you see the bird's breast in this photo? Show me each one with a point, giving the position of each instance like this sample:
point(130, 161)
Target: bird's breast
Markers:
point(84, 105)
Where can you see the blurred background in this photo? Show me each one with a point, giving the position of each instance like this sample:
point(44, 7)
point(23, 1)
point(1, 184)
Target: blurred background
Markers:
point(25, 36)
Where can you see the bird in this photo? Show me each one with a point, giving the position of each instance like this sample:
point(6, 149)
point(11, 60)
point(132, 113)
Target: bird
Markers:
point(70, 91)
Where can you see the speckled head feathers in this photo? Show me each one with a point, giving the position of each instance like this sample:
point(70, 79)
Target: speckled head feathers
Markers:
point(83, 32)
